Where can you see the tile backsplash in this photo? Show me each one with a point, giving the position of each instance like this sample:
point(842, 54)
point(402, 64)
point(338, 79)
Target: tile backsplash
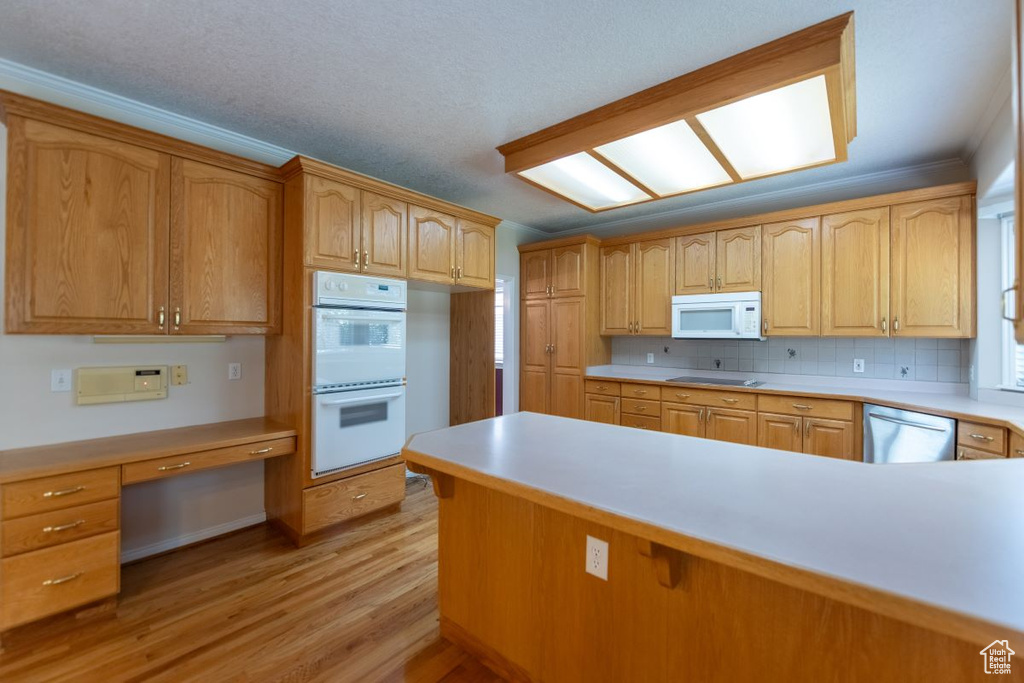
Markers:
point(928, 360)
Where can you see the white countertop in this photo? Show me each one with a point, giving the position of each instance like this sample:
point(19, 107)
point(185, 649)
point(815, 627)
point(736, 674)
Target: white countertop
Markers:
point(944, 534)
point(923, 395)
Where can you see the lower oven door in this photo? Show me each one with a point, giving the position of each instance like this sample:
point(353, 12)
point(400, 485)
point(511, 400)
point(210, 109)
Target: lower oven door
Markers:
point(357, 426)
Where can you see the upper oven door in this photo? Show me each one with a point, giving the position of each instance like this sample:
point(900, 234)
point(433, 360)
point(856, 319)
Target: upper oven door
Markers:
point(356, 345)
point(706, 320)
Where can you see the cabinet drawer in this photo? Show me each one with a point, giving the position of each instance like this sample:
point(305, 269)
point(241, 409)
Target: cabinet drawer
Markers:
point(982, 437)
point(60, 526)
point(52, 580)
point(159, 468)
point(638, 406)
point(710, 397)
point(56, 493)
point(1016, 445)
point(640, 391)
point(803, 405)
point(596, 386)
point(652, 423)
point(346, 499)
point(968, 453)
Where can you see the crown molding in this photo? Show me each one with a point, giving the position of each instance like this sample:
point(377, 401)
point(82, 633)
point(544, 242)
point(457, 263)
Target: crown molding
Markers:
point(25, 80)
point(1000, 96)
point(526, 229)
point(879, 182)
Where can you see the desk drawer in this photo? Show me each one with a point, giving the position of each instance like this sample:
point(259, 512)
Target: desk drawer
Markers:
point(805, 406)
point(638, 406)
point(651, 422)
point(31, 497)
point(597, 386)
point(45, 582)
point(640, 391)
point(1016, 445)
point(339, 501)
point(159, 468)
point(60, 526)
point(982, 437)
point(739, 400)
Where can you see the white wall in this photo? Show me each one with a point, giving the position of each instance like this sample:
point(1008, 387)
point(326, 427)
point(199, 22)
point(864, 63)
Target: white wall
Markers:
point(157, 515)
point(506, 260)
point(427, 359)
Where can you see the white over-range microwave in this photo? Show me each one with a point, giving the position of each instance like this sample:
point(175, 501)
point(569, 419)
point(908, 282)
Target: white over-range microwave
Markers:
point(736, 315)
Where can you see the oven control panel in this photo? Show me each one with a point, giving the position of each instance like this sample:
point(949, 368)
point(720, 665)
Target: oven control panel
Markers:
point(343, 289)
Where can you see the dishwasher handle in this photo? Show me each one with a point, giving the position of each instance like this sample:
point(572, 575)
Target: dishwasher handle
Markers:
point(907, 423)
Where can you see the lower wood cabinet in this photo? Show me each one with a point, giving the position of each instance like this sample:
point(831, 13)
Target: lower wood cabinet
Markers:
point(345, 499)
point(736, 426)
point(598, 408)
point(553, 356)
point(812, 435)
point(650, 422)
point(683, 419)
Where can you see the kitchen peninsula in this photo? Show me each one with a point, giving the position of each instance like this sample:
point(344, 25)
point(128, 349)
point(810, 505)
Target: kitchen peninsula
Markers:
point(724, 561)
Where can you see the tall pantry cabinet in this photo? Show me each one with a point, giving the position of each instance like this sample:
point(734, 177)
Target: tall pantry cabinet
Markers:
point(559, 321)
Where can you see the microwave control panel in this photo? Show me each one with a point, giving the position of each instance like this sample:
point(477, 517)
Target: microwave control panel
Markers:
point(751, 319)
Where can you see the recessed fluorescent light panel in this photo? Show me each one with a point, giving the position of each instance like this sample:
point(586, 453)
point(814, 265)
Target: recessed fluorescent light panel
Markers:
point(667, 160)
point(586, 181)
point(780, 130)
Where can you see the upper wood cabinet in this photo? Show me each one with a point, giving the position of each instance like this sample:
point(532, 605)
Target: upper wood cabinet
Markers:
point(636, 288)
point(87, 233)
point(383, 233)
point(225, 251)
point(695, 264)
point(933, 282)
point(474, 254)
point(791, 275)
point(432, 238)
point(738, 260)
point(333, 221)
point(855, 273)
point(555, 272)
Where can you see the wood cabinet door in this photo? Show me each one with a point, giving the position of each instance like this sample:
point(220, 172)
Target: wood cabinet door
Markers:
point(783, 432)
point(568, 271)
point(791, 278)
point(431, 246)
point(933, 281)
point(652, 295)
point(332, 221)
point(474, 255)
point(384, 232)
point(831, 438)
point(567, 363)
point(738, 260)
point(597, 408)
point(535, 269)
point(225, 251)
point(855, 274)
point(617, 289)
point(87, 233)
point(737, 426)
point(682, 419)
point(534, 343)
point(695, 264)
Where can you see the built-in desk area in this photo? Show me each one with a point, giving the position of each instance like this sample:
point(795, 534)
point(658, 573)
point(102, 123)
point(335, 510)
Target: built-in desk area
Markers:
point(60, 506)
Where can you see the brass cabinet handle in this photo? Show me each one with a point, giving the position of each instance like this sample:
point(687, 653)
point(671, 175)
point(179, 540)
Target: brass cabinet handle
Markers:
point(161, 317)
point(63, 492)
point(552, 348)
point(63, 579)
point(711, 283)
point(262, 451)
point(631, 328)
point(719, 283)
point(885, 327)
point(807, 430)
point(896, 324)
point(801, 406)
point(177, 317)
point(63, 527)
point(764, 326)
point(640, 408)
point(356, 259)
point(366, 259)
point(165, 468)
point(458, 273)
point(640, 392)
point(678, 395)
point(360, 496)
point(1019, 451)
point(453, 272)
point(638, 327)
point(1002, 303)
point(601, 387)
point(731, 400)
point(700, 416)
point(982, 437)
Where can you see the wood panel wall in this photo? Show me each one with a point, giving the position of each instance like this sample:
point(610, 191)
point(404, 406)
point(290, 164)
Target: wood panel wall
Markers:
point(471, 393)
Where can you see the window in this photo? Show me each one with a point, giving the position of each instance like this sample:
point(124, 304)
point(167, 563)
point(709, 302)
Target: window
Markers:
point(499, 323)
point(1013, 361)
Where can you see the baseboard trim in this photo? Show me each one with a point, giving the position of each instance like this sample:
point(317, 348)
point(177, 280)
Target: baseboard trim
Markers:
point(194, 537)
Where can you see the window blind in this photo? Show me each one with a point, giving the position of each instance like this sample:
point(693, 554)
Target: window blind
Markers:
point(499, 324)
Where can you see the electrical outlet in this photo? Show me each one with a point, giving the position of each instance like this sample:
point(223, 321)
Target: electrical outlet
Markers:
point(60, 380)
point(858, 365)
point(179, 375)
point(234, 371)
point(597, 557)
point(650, 358)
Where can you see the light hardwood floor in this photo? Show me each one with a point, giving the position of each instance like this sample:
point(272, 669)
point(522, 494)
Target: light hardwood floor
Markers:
point(360, 605)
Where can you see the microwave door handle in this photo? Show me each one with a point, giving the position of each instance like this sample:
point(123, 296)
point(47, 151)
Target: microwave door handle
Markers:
point(353, 401)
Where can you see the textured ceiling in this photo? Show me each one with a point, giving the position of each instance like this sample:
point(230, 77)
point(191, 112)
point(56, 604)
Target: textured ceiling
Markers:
point(420, 93)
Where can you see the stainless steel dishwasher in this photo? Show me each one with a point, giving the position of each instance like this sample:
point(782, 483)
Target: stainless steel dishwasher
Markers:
point(892, 435)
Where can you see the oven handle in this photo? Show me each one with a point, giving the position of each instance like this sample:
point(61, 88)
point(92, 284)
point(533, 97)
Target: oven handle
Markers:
point(367, 399)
